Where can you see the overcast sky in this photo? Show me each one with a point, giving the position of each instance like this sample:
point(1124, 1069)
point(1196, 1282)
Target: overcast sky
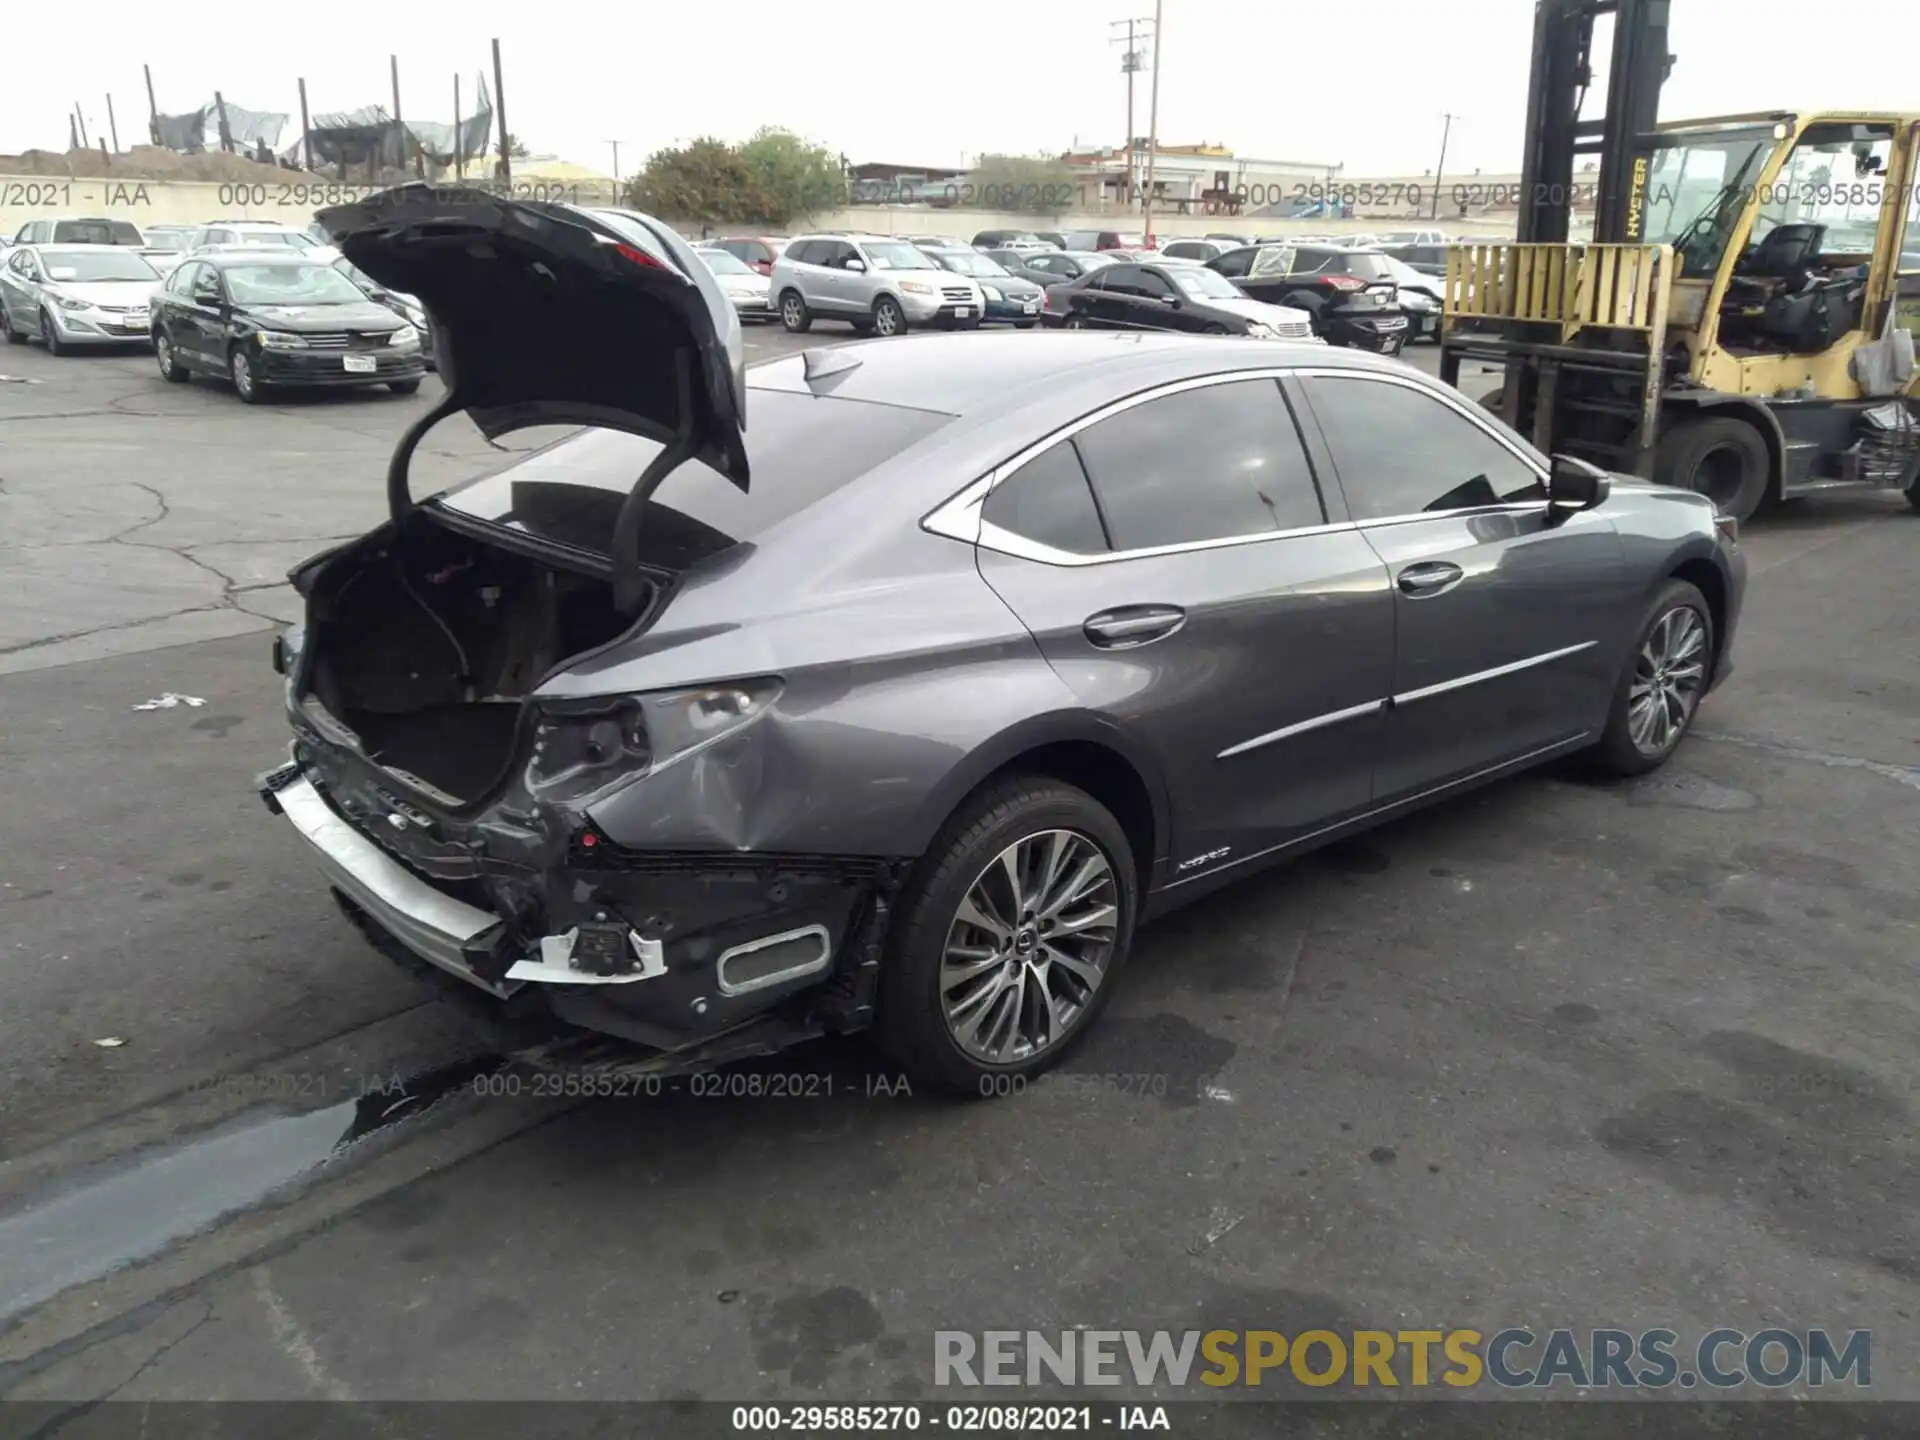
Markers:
point(926, 83)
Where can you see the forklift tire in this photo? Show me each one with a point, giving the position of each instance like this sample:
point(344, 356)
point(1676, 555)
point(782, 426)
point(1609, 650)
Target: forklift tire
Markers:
point(1720, 457)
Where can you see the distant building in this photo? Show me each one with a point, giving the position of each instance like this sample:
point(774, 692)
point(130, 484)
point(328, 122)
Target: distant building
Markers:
point(1198, 179)
point(883, 183)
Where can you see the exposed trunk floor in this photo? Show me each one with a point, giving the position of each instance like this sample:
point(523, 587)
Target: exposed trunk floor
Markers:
point(455, 748)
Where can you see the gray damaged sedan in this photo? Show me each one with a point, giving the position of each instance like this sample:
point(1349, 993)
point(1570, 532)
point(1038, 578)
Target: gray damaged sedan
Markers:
point(897, 685)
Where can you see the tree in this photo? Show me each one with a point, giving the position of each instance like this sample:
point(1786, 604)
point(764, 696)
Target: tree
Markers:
point(516, 150)
point(793, 177)
point(1022, 185)
point(708, 180)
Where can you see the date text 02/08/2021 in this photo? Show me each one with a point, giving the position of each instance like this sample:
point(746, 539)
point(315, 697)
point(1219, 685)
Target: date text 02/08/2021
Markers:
point(956, 1419)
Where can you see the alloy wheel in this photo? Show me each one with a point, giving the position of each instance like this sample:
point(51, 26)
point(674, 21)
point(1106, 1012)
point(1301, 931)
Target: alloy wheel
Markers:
point(1027, 951)
point(886, 319)
point(50, 334)
point(242, 374)
point(1669, 676)
point(163, 354)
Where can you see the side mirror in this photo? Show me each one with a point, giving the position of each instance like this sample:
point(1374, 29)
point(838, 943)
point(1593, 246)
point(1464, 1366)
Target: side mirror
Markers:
point(856, 265)
point(1574, 485)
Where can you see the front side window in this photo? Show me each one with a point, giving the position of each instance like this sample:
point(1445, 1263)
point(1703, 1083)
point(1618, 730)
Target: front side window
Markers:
point(1212, 463)
point(1695, 192)
point(1837, 178)
point(1047, 500)
point(1401, 451)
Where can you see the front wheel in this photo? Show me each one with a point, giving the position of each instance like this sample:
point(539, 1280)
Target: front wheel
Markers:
point(1025, 324)
point(50, 334)
point(1008, 938)
point(404, 387)
point(888, 318)
point(1075, 322)
point(1661, 685)
point(1719, 457)
point(171, 370)
point(245, 383)
point(793, 313)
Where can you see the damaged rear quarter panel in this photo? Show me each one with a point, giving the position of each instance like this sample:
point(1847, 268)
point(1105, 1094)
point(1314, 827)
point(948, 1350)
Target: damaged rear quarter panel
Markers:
point(856, 755)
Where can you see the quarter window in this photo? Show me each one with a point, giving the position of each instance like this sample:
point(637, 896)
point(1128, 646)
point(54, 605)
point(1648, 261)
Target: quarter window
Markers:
point(1207, 464)
point(1047, 500)
point(1401, 451)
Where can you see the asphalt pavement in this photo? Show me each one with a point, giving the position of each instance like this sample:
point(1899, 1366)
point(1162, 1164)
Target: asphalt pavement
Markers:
point(1559, 1054)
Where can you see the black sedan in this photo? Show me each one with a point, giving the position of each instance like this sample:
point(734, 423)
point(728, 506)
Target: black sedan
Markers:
point(268, 320)
point(1177, 296)
point(1350, 294)
point(1011, 299)
point(1050, 267)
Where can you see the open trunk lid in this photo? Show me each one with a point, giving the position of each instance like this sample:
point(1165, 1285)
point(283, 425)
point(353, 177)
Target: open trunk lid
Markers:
point(545, 314)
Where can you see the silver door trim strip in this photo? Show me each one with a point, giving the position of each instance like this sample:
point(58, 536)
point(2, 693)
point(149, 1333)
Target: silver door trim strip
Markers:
point(1462, 682)
point(1365, 818)
point(1318, 722)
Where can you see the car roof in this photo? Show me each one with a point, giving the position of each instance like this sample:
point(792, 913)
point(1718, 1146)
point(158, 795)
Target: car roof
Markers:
point(964, 374)
point(242, 256)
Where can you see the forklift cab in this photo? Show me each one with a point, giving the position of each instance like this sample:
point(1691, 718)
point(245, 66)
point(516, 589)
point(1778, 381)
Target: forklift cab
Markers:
point(1788, 240)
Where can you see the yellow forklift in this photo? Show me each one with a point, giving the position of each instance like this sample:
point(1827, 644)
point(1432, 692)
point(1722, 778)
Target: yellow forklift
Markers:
point(1742, 323)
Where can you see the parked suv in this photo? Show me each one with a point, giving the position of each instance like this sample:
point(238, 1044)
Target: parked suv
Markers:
point(79, 230)
point(880, 285)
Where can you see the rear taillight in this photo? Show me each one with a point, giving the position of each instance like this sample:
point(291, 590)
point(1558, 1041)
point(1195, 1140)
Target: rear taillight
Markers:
point(1343, 282)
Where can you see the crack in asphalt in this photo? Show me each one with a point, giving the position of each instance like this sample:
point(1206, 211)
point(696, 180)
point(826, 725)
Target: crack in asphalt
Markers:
point(1908, 775)
point(61, 1419)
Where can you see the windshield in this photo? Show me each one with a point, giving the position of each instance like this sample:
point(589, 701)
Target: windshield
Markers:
point(95, 232)
point(103, 262)
point(270, 240)
point(898, 255)
point(722, 262)
point(1204, 284)
point(971, 262)
point(1836, 177)
point(166, 240)
point(1694, 193)
point(291, 285)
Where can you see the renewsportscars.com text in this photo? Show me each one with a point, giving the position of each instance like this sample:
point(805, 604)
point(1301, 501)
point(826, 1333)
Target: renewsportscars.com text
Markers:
point(1514, 1358)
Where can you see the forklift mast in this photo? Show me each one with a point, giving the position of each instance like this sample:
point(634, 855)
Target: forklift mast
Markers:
point(1557, 136)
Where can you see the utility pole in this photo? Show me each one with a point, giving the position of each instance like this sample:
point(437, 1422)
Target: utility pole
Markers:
point(1440, 170)
point(153, 110)
point(113, 126)
point(500, 116)
point(1130, 65)
point(459, 136)
point(306, 130)
point(616, 160)
point(80, 115)
point(73, 133)
point(1153, 129)
point(226, 131)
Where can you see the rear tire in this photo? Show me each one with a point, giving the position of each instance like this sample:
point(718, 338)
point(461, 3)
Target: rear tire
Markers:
point(1075, 322)
point(794, 315)
point(926, 1005)
point(1667, 668)
point(1025, 324)
point(404, 387)
point(14, 337)
point(1720, 457)
point(1913, 495)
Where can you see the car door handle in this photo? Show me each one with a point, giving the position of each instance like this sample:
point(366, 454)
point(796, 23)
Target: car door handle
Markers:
point(1133, 625)
point(1433, 577)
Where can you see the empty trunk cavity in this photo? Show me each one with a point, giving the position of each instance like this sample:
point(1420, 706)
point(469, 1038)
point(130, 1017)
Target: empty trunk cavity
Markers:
point(426, 646)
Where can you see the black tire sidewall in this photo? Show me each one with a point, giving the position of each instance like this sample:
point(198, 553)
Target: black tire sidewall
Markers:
point(795, 326)
point(1616, 753)
point(1684, 448)
point(50, 334)
point(881, 307)
point(910, 1026)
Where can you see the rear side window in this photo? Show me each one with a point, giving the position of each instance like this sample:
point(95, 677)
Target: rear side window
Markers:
point(1401, 451)
point(801, 447)
point(95, 232)
point(1047, 500)
point(1208, 464)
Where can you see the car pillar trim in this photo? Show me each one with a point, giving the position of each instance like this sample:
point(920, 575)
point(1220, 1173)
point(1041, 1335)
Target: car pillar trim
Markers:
point(1318, 722)
point(1462, 682)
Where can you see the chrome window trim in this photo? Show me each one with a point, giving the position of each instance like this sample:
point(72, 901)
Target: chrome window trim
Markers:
point(1461, 682)
point(1318, 722)
point(959, 516)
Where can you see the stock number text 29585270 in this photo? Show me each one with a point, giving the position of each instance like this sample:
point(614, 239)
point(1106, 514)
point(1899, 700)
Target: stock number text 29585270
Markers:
point(317, 194)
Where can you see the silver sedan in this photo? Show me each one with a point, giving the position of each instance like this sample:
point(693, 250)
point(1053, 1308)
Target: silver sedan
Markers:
point(67, 296)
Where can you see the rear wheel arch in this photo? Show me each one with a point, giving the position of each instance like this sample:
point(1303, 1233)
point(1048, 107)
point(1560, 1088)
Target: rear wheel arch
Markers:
point(1081, 752)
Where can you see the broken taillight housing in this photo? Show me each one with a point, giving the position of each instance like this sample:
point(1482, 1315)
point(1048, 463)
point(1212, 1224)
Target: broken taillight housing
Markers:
point(581, 746)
